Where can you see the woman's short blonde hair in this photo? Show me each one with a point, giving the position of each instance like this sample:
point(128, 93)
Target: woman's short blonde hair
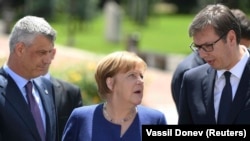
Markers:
point(109, 66)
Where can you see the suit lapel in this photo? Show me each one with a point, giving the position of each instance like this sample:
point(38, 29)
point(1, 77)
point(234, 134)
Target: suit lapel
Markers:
point(46, 98)
point(208, 89)
point(16, 100)
point(57, 91)
point(242, 93)
point(44, 95)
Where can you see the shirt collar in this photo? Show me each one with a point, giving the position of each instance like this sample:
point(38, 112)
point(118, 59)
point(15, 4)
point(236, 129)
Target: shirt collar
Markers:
point(19, 80)
point(238, 69)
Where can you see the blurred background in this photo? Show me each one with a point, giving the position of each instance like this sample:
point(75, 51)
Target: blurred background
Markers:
point(102, 26)
point(157, 30)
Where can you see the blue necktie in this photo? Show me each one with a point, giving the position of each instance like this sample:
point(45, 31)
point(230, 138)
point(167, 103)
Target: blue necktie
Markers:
point(225, 101)
point(35, 110)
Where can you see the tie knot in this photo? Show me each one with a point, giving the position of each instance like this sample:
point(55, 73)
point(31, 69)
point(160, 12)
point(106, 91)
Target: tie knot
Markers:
point(227, 74)
point(28, 87)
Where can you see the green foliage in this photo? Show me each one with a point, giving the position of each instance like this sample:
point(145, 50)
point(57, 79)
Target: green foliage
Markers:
point(162, 34)
point(166, 35)
point(83, 76)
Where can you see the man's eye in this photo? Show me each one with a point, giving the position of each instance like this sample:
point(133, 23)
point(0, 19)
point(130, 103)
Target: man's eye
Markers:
point(198, 47)
point(42, 53)
point(208, 45)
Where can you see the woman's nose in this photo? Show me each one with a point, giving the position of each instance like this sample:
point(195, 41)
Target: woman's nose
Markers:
point(140, 81)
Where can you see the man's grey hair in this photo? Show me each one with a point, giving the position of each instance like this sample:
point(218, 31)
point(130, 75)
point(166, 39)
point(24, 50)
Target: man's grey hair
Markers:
point(29, 27)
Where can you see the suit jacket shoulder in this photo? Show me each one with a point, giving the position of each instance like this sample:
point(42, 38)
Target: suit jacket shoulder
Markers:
point(197, 97)
point(15, 116)
point(67, 97)
point(191, 61)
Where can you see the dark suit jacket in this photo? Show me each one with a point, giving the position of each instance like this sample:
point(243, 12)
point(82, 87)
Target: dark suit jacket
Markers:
point(67, 97)
point(197, 97)
point(191, 61)
point(16, 120)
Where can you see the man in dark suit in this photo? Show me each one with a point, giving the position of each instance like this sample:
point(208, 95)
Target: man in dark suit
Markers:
point(193, 59)
point(216, 37)
point(31, 43)
point(67, 97)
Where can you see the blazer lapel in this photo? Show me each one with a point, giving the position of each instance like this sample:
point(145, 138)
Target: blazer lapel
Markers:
point(57, 91)
point(16, 100)
point(48, 103)
point(242, 94)
point(208, 97)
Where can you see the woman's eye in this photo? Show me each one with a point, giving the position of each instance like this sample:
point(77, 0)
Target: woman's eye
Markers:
point(141, 76)
point(132, 75)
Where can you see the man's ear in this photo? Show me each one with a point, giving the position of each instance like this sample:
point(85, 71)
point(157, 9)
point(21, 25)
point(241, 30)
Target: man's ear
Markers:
point(53, 53)
point(231, 36)
point(19, 48)
point(110, 82)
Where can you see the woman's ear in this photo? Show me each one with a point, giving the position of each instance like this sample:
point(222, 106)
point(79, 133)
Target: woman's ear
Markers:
point(110, 82)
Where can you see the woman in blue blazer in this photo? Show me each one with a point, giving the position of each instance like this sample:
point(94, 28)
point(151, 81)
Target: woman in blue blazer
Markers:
point(119, 77)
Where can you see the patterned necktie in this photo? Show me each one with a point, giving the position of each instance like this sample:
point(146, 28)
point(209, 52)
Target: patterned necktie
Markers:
point(226, 100)
point(35, 110)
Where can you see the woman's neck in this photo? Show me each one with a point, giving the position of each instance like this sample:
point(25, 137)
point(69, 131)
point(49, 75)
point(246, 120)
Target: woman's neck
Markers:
point(118, 116)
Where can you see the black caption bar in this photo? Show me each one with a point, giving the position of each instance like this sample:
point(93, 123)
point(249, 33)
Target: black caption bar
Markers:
point(202, 132)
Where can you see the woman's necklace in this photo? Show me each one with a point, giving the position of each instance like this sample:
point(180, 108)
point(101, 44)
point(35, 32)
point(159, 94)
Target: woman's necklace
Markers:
point(132, 113)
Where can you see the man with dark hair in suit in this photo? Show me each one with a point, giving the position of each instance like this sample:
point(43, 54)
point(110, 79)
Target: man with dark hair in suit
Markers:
point(191, 61)
point(67, 97)
point(194, 60)
point(216, 38)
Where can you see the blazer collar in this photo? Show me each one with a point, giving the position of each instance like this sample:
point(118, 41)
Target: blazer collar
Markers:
point(58, 91)
point(45, 94)
point(242, 93)
point(16, 101)
point(208, 89)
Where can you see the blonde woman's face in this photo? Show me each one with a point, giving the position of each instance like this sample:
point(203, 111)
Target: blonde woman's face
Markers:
point(128, 87)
